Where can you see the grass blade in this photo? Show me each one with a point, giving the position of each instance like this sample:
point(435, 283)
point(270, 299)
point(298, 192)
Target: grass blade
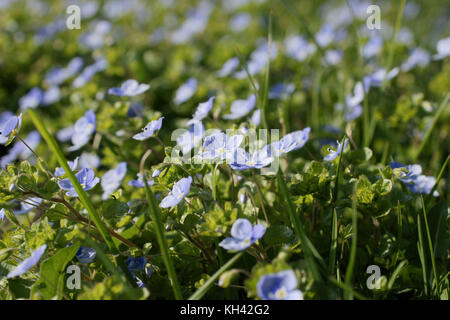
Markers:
point(84, 198)
point(351, 263)
point(156, 216)
point(207, 285)
point(433, 124)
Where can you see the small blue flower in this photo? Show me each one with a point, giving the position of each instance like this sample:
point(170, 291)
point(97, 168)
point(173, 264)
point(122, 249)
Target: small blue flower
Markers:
point(19, 150)
point(240, 21)
point(59, 171)
point(279, 286)
point(372, 47)
point(228, 67)
point(9, 126)
point(325, 36)
point(86, 177)
point(256, 118)
point(298, 48)
point(129, 88)
point(136, 264)
point(418, 57)
point(443, 49)
point(333, 57)
point(140, 183)
point(28, 206)
point(86, 255)
point(186, 91)
point(82, 130)
point(202, 111)
point(281, 90)
point(88, 72)
point(242, 160)
point(220, 146)
point(243, 235)
point(58, 75)
point(334, 154)
point(179, 191)
point(414, 179)
point(112, 179)
point(191, 138)
point(2, 214)
point(51, 96)
point(149, 130)
point(89, 160)
point(292, 141)
point(32, 99)
point(156, 173)
point(28, 263)
point(376, 78)
point(240, 108)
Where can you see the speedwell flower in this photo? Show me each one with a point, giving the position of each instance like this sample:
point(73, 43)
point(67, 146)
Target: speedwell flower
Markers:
point(129, 88)
point(82, 130)
point(279, 286)
point(186, 91)
point(149, 130)
point(28, 263)
point(219, 145)
point(414, 179)
point(112, 179)
point(202, 111)
point(11, 124)
point(86, 255)
point(86, 177)
point(292, 141)
point(240, 108)
point(334, 154)
point(179, 191)
point(243, 235)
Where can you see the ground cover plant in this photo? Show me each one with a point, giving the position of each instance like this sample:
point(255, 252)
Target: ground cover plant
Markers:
point(243, 149)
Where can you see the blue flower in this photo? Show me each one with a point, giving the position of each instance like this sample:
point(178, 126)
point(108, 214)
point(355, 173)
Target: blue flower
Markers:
point(179, 191)
point(256, 118)
point(96, 38)
point(19, 150)
point(243, 235)
point(9, 126)
point(298, 48)
point(443, 49)
point(58, 75)
point(82, 130)
point(334, 154)
point(279, 286)
point(414, 179)
point(28, 263)
point(86, 255)
point(89, 160)
point(136, 264)
point(333, 57)
point(149, 130)
point(372, 47)
point(242, 160)
point(140, 183)
point(186, 91)
point(281, 90)
point(32, 99)
point(240, 21)
point(258, 60)
point(353, 108)
point(51, 96)
point(28, 206)
point(240, 108)
point(376, 78)
point(220, 146)
point(129, 88)
point(156, 173)
point(112, 179)
point(191, 138)
point(86, 177)
point(88, 72)
point(418, 57)
point(292, 141)
point(73, 165)
point(229, 66)
point(202, 111)
point(325, 36)
point(2, 214)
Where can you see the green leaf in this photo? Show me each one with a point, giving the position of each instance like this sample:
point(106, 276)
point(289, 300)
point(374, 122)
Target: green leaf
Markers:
point(364, 192)
point(52, 274)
